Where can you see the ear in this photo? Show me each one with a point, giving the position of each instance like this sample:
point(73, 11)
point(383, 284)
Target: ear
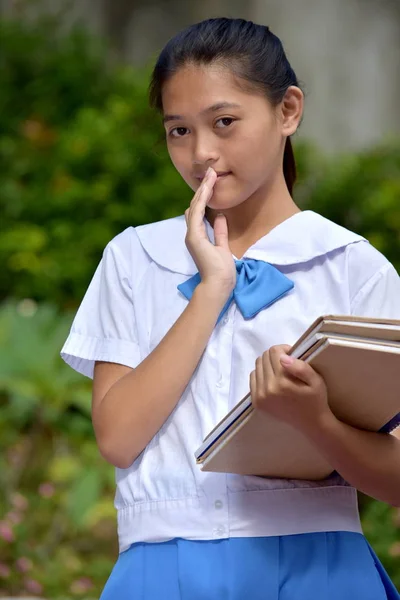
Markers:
point(291, 109)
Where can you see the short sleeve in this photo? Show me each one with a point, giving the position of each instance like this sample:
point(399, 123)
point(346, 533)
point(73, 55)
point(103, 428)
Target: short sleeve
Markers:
point(379, 294)
point(104, 328)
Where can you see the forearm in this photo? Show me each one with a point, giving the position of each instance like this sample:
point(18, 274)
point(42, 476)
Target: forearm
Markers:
point(368, 461)
point(138, 404)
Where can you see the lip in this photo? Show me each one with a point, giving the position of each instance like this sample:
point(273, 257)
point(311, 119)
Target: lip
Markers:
point(219, 175)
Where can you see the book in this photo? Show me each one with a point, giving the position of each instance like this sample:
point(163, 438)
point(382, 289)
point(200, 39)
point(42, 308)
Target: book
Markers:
point(359, 359)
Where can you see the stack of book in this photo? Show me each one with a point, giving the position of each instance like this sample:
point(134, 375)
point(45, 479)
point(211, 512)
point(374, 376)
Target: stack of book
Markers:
point(358, 358)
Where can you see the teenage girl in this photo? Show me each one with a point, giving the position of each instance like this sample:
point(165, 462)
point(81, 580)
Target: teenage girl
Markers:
point(183, 316)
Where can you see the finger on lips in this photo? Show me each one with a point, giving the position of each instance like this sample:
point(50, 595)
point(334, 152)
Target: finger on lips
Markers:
point(202, 193)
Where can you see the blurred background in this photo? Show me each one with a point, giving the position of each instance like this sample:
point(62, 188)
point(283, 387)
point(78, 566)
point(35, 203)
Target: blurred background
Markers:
point(82, 157)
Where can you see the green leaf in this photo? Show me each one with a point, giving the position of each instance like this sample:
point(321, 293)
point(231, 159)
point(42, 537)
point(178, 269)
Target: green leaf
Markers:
point(83, 496)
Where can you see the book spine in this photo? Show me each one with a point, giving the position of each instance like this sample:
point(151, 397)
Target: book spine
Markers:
point(391, 425)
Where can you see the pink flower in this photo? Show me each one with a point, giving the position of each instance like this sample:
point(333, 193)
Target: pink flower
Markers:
point(19, 501)
point(6, 532)
point(33, 586)
point(24, 564)
point(46, 489)
point(81, 585)
point(14, 517)
point(5, 570)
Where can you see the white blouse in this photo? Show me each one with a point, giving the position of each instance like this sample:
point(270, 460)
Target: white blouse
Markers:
point(131, 303)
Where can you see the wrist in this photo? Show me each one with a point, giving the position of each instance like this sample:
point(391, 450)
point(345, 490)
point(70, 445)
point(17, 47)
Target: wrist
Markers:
point(215, 295)
point(325, 425)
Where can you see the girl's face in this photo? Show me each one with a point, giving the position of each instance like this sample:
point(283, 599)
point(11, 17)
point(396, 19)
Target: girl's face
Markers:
point(210, 121)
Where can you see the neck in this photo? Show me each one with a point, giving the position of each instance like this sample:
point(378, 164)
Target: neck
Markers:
point(258, 215)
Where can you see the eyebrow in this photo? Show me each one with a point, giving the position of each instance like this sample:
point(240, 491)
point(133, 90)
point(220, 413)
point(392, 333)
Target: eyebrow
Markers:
point(213, 108)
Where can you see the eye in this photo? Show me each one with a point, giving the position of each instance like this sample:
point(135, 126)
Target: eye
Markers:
point(226, 122)
point(179, 130)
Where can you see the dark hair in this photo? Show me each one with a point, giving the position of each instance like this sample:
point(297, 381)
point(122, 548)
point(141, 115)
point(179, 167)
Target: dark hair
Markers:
point(253, 54)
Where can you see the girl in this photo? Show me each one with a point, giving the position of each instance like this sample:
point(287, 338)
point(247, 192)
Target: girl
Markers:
point(183, 315)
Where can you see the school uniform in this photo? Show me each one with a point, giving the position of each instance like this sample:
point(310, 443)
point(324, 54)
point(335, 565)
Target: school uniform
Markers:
point(187, 534)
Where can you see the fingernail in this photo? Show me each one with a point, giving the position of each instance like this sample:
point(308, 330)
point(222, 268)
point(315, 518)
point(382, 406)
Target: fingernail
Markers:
point(208, 171)
point(286, 360)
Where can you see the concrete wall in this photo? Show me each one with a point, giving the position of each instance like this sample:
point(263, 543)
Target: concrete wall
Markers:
point(347, 52)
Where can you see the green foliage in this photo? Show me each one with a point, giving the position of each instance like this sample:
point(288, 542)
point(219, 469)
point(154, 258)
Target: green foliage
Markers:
point(81, 159)
point(47, 74)
point(57, 490)
point(381, 524)
point(361, 192)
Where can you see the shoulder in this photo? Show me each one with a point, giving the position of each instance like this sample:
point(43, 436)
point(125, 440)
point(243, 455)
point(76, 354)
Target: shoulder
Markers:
point(304, 237)
point(313, 236)
point(369, 273)
point(321, 236)
point(367, 267)
point(164, 243)
point(124, 257)
point(124, 243)
point(374, 283)
point(161, 242)
point(364, 260)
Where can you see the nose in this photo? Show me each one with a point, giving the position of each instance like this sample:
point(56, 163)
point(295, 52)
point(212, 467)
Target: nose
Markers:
point(204, 151)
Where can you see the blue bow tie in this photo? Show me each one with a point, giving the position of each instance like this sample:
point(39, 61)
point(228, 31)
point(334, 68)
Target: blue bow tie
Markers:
point(258, 285)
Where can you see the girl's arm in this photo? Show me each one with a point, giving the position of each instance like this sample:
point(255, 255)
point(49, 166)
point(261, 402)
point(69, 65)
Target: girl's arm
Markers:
point(292, 391)
point(368, 461)
point(130, 405)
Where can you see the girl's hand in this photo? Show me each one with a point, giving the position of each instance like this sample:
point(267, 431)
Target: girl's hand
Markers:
point(289, 389)
point(215, 262)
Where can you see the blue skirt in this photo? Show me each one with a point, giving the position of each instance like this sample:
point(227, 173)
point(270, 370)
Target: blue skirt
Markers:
point(321, 566)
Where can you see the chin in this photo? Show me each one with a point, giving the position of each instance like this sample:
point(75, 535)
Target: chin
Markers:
point(224, 201)
point(215, 205)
